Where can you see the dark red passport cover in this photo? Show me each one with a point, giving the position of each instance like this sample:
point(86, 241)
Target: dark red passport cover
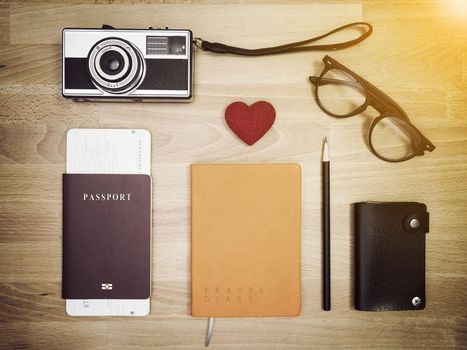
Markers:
point(106, 236)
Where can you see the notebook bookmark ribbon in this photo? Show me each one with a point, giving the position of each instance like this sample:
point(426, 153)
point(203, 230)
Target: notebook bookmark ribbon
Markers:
point(298, 46)
point(209, 332)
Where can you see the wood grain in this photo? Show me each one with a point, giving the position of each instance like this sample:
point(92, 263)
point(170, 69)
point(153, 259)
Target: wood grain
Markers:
point(417, 55)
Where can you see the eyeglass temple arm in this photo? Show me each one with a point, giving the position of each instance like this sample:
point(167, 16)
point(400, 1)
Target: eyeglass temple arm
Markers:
point(428, 146)
point(324, 81)
point(371, 88)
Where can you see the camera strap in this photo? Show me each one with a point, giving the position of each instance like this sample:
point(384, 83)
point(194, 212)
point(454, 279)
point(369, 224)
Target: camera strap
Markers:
point(298, 46)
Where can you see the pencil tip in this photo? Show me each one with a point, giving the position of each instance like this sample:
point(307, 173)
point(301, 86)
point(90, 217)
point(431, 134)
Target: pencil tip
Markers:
point(325, 151)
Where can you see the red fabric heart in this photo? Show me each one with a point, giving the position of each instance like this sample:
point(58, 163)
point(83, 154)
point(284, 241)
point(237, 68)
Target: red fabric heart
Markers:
point(250, 123)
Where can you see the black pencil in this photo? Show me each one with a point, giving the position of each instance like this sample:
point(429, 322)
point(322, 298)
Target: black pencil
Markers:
point(326, 230)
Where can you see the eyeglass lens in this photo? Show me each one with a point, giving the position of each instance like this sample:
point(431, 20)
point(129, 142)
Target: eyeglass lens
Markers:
point(391, 138)
point(339, 93)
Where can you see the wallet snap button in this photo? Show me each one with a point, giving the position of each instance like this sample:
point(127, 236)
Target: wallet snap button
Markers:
point(414, 223)
point(416, 301)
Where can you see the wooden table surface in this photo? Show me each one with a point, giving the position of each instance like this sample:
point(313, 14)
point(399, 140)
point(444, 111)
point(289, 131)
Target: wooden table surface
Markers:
point(417, 55)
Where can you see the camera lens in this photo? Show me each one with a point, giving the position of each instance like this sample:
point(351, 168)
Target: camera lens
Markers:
point(116, 66)
point(111, 62)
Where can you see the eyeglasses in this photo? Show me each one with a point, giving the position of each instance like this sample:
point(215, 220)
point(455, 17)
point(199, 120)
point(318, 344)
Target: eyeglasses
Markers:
point(342, 93)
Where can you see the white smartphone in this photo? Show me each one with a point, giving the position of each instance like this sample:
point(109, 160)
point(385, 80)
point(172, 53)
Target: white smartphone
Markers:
point(108, 151)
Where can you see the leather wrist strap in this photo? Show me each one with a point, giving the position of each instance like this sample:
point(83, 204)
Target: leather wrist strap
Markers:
point(298, 46)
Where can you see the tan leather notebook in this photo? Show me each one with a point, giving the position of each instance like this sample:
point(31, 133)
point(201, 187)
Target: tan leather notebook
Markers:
point(245, 240)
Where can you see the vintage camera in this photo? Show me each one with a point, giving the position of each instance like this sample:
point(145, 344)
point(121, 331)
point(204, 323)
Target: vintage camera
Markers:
point(127, 64)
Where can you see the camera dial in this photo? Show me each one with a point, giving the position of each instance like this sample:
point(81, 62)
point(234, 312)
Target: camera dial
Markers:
point(116, 66)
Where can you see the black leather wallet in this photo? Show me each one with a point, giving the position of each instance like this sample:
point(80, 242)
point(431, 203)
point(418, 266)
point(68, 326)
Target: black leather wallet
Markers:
point(390, 255)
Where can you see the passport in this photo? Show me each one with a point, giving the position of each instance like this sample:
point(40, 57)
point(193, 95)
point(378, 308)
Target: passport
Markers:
point(106, 236)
